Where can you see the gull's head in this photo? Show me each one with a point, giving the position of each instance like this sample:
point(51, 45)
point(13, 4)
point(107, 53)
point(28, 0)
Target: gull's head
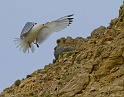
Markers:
point(39, 26)
point(45, 26)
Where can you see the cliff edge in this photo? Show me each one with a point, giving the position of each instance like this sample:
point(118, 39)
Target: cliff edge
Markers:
point(91, 67)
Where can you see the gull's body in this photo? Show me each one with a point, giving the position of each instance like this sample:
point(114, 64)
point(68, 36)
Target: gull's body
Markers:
point(34, 32)
point(38, 33)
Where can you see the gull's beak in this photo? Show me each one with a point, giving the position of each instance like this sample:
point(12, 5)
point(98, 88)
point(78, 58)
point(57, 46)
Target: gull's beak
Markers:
point(46, 27)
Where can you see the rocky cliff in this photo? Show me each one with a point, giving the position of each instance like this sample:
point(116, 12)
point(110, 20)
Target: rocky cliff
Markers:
point(91, 67)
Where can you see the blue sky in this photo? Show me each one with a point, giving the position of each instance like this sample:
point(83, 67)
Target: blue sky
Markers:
point(14, 64)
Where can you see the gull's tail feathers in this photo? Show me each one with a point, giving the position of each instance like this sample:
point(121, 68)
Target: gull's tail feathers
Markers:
point(23, 45)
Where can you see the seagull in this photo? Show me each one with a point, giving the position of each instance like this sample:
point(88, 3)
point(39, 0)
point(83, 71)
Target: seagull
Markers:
point(34, 33)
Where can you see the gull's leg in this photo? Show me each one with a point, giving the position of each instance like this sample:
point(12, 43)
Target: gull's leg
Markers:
point(29, 44)
point(36, 43)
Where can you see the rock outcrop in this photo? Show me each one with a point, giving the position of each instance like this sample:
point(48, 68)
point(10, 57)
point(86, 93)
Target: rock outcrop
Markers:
point(91, 67)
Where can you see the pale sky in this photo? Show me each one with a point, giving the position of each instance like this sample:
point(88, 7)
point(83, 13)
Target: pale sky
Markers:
point(14, 64)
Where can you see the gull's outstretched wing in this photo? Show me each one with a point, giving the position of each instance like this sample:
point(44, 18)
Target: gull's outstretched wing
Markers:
point(28, 26)
point(54, 26)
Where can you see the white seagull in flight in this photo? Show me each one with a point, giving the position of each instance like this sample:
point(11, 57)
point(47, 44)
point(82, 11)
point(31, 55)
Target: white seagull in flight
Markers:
point(34, 33)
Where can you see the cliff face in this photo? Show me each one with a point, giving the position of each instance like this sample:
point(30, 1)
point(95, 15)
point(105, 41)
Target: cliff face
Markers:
point(92, 67)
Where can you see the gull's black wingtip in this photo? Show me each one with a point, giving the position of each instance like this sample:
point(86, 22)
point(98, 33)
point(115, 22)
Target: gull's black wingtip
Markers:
point(70, 15)
point(70, 19)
